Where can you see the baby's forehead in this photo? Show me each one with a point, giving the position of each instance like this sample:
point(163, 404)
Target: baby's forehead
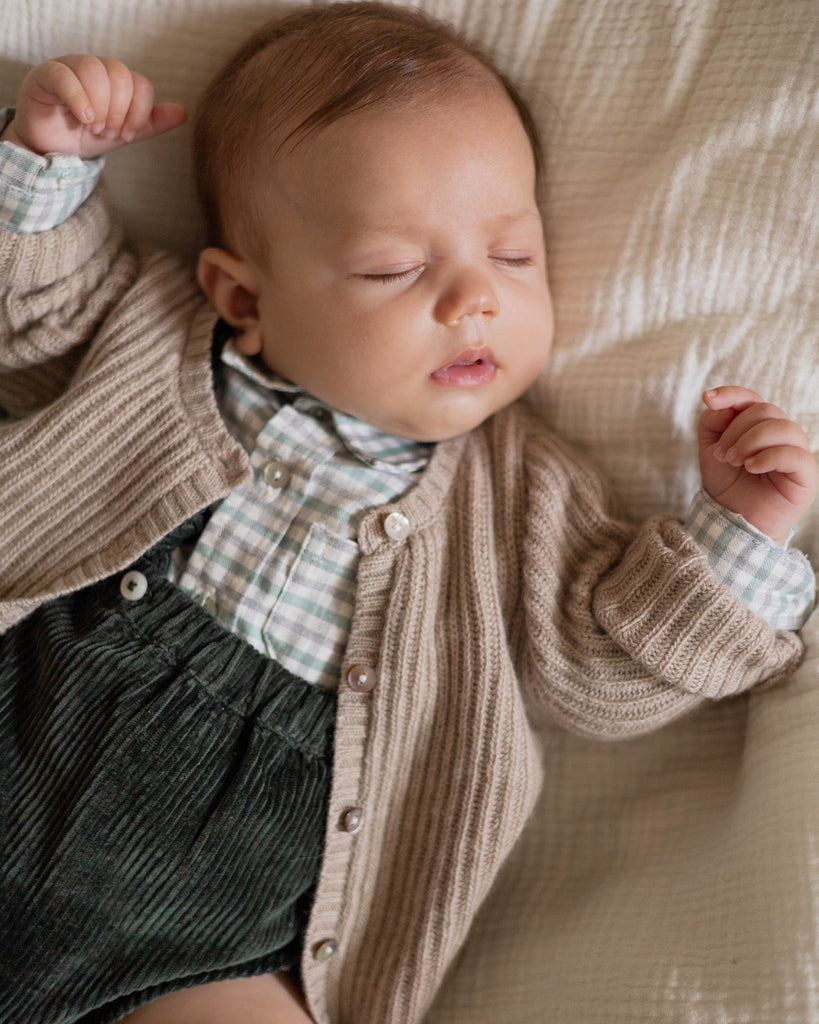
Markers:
point(422, 120)
point(422, 109)
point(381, 174)
point(296, 76)
point(321, 100)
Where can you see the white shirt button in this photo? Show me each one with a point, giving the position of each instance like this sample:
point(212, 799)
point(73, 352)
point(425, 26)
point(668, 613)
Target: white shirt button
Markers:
point(325, 950)
point(276, 474)
point(133, 586)
point(361, 678)
point(397, 526)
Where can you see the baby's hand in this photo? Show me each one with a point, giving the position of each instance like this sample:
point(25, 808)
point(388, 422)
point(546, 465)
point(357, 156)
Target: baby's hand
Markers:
point(755, 461)
point(86, 106)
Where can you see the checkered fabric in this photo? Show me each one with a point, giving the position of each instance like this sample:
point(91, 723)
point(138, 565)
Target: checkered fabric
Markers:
point(277, 560)
point(40, 192)
point(776, 583)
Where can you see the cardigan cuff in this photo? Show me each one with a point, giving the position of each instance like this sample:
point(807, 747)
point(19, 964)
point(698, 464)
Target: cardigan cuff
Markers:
point(663, 605)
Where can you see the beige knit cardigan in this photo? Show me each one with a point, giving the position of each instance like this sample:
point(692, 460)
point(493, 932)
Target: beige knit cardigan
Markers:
point(516, 603)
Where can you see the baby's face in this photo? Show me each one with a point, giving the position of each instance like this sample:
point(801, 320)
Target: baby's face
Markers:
point(407, 279)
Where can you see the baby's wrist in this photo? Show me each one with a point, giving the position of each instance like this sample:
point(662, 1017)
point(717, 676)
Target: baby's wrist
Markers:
point(773, 580)
point(780, 535)
point(10, 134)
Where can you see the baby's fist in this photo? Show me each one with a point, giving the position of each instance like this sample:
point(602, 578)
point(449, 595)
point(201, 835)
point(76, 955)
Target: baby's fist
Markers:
point(86, 106)
point(755, 461)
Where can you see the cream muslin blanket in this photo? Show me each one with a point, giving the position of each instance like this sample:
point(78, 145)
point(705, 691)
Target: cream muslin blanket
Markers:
point(674, 878)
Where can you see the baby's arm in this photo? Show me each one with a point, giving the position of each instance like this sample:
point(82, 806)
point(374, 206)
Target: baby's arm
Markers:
point(50, 163)
point(755, 462)
point(86, 106)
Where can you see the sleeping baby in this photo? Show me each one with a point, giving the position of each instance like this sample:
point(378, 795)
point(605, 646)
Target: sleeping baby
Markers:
point(283, 629)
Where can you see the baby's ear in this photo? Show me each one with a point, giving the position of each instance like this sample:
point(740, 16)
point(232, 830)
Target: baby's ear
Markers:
point(230, 285)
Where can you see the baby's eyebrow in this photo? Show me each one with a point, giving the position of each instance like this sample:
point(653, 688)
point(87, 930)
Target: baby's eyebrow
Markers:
point(407, 231)
point(519, 217)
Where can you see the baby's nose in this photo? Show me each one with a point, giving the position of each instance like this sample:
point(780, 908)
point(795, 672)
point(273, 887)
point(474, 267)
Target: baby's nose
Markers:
point(469, 293)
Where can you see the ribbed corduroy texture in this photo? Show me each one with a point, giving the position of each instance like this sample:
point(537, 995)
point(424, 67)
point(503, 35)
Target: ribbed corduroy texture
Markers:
point(164, 794)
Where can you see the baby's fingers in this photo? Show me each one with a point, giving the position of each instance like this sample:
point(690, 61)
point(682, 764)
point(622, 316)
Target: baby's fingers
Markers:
point(730, 396)
point(87, 105)
point(114, 92)
point(122, 101)
point(56, 82)
point(752, 424)
point(758, 428)
point(788, 460)
point(723, 406)
point(130, 101)
point(164, 117)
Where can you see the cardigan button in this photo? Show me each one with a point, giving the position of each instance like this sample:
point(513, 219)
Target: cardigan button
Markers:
point(133, 586)
point(361, 678)
point(353, 820)
point(397, 526)
point(325, 950)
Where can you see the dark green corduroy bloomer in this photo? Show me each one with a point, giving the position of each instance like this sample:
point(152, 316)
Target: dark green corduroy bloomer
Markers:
point(163, 801)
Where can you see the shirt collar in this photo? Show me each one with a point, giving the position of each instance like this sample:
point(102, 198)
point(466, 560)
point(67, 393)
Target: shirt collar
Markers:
point(368, 444)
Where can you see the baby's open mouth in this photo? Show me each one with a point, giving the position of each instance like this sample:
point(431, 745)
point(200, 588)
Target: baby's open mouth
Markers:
point(471, 368)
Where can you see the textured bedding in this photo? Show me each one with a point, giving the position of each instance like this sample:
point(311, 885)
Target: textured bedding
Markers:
point(674, 878)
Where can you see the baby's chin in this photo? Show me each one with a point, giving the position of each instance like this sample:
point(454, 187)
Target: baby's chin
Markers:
point(433, 432)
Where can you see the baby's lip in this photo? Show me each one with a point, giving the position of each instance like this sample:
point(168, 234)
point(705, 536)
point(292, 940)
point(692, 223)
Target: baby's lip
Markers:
point(474, 366)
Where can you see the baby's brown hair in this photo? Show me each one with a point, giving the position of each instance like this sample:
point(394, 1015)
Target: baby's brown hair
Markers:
point(306, 70)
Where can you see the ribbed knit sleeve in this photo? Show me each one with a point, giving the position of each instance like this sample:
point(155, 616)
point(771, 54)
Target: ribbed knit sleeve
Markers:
point(627, 628)
point(55, 289)
point(663, 606)
point(111, 434)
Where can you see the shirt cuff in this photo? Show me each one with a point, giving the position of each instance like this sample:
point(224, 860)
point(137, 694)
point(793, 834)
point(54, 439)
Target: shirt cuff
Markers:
point(38, 193)
point(776, 583)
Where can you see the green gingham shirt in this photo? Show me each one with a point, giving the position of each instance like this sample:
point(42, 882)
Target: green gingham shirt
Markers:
point(277, 560)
